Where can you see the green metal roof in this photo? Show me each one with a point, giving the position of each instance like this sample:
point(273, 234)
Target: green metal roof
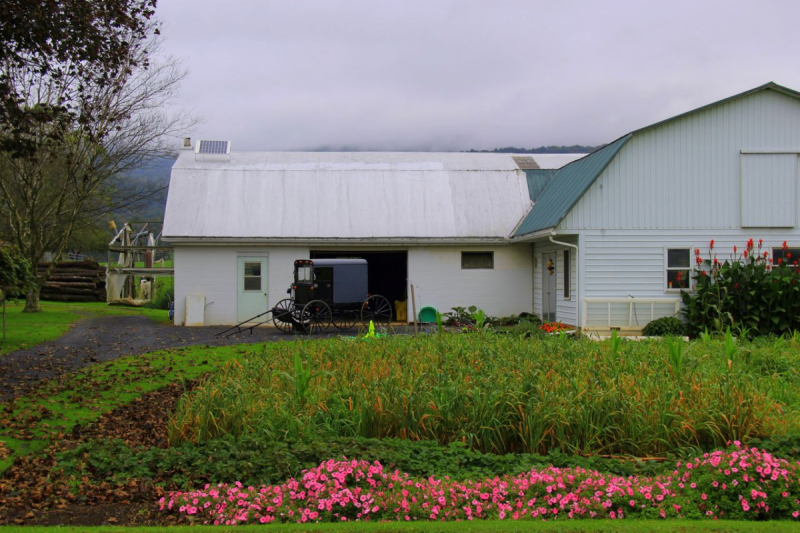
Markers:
point(567, 187)
point(538, 180)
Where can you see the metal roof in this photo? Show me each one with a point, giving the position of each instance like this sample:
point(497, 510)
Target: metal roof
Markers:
point(538, 180)
point(566, 188)
point(354, 195)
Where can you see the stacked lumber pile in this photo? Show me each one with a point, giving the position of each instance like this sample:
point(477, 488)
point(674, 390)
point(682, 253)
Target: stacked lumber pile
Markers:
point(74, 281)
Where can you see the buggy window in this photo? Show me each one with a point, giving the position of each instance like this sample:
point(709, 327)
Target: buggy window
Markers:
point(304, 273)
point(323, 274)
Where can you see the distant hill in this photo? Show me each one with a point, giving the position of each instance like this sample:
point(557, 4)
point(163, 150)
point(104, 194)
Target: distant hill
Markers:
point(155, 175)
point(574, 149)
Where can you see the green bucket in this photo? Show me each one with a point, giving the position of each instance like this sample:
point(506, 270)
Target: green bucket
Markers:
point(427, 315)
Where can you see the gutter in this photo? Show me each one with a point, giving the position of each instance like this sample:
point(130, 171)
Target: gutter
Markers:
point(577, 275)
point(536, 235)
point(334, 242)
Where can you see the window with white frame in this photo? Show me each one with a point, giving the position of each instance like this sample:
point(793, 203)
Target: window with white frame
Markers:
point(678, 268)
point(788, 256)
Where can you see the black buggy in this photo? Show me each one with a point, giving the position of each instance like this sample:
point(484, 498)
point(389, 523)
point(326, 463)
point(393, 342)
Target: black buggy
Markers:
point(329, 292)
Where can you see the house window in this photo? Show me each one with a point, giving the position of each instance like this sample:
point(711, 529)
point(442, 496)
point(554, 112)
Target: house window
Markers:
point(789, 256)
point(566, 269)
point(679, 268)
point(471, 260)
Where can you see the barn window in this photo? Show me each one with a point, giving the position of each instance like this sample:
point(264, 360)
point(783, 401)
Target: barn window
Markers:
point(679, 268)
point(567, 274)
point(790, 256)
point(471, 260)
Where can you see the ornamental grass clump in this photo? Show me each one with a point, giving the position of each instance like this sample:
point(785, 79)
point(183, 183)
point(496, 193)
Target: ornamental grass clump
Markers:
point(503, 393)
point(744, 484)
point(747, 292)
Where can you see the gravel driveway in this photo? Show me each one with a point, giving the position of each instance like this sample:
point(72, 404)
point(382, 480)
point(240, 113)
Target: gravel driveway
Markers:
point(97, 339)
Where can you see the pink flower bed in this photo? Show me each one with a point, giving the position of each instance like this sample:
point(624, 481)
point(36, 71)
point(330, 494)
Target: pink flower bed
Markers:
point(738, 483)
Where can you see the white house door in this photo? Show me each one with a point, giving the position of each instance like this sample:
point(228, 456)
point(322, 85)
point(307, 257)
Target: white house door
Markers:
point(251, 299)
point(549, 287)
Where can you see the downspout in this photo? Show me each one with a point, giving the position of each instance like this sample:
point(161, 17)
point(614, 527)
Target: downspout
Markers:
point(577, 276)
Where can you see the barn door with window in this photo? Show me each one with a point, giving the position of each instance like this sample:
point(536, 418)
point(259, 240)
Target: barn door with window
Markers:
point(251, 299)
point(549, 287)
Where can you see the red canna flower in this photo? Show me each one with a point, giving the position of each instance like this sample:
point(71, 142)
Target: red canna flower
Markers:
point(785, 246)
point(788, 255)
point(699, 260)
point(734, 248)
point(780, 261)
point(697, 251)
point(716, 261)
point(712, 244)
point(766, 254)
point(750, 244)
point(735, 285)
point(745, 254)
point(679, 277)
point(760, 242)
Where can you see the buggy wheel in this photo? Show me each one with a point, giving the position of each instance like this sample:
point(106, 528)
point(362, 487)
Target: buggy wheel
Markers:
point(316, 316)
point(282, 315)
point(377, 309)
point(345, 318)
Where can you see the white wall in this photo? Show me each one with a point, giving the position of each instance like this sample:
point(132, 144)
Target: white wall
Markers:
point(619, 263)
point(435, 271)
point(566, 309)
point(440, 282)
point(686, 174)
point(212, 271)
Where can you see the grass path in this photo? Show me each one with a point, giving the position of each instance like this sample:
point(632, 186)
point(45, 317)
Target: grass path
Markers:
point(24, 330)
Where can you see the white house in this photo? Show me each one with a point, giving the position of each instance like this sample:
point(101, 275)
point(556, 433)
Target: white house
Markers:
point(604, 241)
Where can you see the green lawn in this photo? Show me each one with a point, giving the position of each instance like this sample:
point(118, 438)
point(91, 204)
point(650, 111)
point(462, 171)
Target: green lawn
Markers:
point(24, 330)
point(487, 526)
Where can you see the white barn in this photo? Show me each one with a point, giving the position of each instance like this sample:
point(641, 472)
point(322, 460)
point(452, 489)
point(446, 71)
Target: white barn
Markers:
point(441, 221)
point(597, 243)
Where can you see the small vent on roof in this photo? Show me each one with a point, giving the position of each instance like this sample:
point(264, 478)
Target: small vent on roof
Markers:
point(213, 147)
point(525, 162)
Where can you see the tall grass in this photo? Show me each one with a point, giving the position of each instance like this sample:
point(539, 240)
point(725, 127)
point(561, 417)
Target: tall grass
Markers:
point(503, 393)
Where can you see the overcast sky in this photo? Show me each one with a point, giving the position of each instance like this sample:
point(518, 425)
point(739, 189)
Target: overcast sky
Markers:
point(455, 75)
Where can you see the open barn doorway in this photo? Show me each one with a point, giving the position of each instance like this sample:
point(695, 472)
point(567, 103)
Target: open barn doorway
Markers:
point(387, 271)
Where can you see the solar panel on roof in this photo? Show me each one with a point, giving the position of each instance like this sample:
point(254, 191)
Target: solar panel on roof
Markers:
point(212, 147)
point(525, 162)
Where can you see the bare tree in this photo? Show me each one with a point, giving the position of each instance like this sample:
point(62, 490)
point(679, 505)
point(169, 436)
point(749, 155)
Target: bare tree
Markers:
point(72, 179)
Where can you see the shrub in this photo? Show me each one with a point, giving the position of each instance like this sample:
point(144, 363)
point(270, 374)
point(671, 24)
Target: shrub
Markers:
point(15, 271)
point(164, 293)
point(665, 327)
point(747, 293)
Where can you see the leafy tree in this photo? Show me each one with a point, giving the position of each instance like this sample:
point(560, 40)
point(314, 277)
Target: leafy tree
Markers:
point(68, 179)
point(80, 46)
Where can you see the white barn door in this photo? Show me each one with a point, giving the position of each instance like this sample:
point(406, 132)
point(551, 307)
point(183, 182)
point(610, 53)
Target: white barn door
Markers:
point(549, 287)
point(251, 299)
